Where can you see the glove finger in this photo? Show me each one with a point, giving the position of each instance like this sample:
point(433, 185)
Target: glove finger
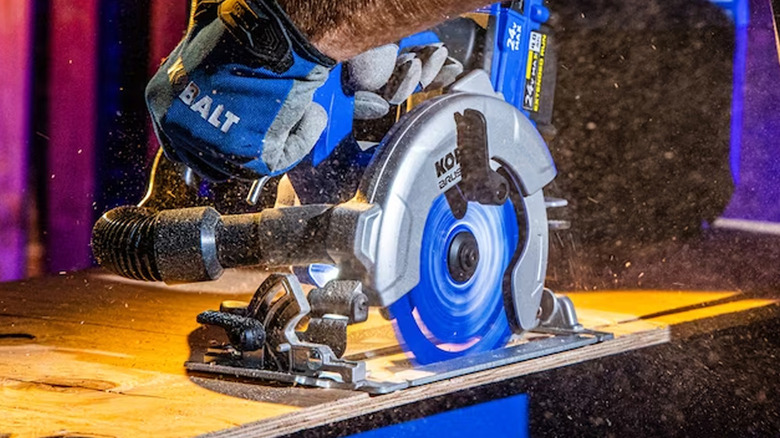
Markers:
point(404, 80)
point(448, 74)
point(433, 57)
point(300, 141)
point(370, 106)
point(370, 70)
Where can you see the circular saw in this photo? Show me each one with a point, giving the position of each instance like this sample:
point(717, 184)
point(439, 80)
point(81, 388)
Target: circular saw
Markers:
point(446, 232)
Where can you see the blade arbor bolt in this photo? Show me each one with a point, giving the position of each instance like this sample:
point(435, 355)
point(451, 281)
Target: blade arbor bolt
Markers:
point(463, 257)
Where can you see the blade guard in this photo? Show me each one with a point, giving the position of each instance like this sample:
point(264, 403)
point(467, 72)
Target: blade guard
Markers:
point(417, 163)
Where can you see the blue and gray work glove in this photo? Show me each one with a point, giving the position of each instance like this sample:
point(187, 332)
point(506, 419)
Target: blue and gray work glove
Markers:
point(234, 99)
point(382, 77)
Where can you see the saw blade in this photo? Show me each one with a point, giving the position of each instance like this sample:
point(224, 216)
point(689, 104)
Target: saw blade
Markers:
point(443, 318)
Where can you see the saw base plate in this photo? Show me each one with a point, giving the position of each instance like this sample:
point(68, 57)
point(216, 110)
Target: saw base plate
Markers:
point(543, 343)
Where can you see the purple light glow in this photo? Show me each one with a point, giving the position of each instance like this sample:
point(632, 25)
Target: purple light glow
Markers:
point(72, 115)
point(16, 34)
point(757, 196)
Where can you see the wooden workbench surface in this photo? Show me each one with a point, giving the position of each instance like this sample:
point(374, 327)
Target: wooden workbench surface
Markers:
point(92, 354)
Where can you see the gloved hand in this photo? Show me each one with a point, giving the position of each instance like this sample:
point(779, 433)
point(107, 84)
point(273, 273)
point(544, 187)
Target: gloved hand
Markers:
point(234, 99)
point(382, 77)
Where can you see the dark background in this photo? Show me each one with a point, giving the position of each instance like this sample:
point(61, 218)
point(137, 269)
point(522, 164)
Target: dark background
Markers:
point(643, 107)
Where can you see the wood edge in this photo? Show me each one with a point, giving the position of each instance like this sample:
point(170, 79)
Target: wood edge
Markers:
point(725, 321)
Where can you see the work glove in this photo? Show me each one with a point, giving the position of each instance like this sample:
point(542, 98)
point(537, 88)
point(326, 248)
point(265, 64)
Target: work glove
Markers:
point(234, 99)
point(382, 77)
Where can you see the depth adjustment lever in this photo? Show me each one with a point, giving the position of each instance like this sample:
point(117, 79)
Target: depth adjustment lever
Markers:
point(262, 335)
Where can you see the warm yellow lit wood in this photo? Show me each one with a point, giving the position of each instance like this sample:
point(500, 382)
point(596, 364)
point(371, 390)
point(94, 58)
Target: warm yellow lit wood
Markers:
point(643, 302)
point(712, 311)
point(107, 357)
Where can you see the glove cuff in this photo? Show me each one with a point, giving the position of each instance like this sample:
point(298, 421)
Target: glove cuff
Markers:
point(268, 33)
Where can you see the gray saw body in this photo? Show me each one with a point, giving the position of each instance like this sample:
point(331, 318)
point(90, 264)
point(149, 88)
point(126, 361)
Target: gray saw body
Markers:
point(404, 178)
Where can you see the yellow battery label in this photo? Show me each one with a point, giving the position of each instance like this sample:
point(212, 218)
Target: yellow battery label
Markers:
point(534, 71)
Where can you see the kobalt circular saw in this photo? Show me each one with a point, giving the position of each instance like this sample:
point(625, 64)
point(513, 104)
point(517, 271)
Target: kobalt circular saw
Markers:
point(442, 225)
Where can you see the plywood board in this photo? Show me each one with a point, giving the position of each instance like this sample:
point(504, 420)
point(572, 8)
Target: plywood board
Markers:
point(91, 354)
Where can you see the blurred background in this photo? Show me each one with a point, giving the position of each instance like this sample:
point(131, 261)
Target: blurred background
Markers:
point(74, 129)
point(667, 117)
